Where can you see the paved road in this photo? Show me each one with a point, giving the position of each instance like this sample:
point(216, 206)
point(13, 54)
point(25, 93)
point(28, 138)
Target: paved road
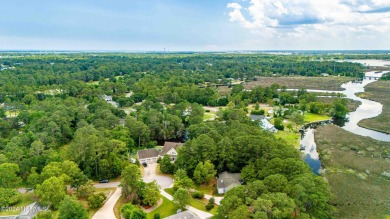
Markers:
point(107, 210)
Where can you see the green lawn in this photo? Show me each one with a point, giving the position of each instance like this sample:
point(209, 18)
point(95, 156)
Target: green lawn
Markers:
point(201, 205)
point(27, 198)
point(196, 203)
point(205, 189)
point(166, 209)
point(291, 138)
point(208, 116)
point(310, 117)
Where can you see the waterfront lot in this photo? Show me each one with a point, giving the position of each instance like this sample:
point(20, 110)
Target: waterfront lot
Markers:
point(357, 172)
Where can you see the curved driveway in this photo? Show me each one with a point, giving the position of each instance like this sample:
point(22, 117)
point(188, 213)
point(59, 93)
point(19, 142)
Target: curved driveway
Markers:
point(150, 175)
point(107, 210)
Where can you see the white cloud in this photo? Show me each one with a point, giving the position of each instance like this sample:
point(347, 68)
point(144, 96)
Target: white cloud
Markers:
point(313, 19)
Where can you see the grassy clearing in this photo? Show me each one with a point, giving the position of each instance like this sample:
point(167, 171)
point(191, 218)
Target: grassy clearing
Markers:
point(166, 209)
point(292, 138)
point(310, 117)
point(378, 91)
point(206, 189)
point(11, 113)
point(209, 116)
point(356, 171)
point(27, 198)
point(318, 83)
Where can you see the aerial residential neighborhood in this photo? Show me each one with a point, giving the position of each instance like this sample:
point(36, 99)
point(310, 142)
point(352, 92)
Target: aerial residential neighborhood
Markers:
point(236, 109)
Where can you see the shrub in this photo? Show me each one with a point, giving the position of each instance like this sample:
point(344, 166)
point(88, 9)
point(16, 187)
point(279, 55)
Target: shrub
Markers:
point(198, 195)
point(157, 216)
point(96, 200)
point(44, 215)
point(9, 197)
point(258, 112)
point(130, 211)
point(212, 200)
point(209, 206)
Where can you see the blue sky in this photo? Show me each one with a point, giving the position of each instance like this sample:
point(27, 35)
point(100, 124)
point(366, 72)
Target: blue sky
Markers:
point(201, 25)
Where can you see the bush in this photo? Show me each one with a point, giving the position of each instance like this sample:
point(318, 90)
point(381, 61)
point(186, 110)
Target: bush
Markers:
point(278, 123)
point(157, 216)
point(96, 200)
point(130, 211)
point(209, 206)
point(258, 112)
point(44, 215)
point(9, 197)
point(207, 111)
point(198, 195)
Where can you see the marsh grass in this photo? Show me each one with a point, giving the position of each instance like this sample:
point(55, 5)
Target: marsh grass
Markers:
point(378, 91)
point(356, 179)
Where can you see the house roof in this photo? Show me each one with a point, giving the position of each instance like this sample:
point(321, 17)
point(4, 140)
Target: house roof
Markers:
point(168, 145)
point(227, 179)
point(147, 153)
point(256, 117)
point(184, 215)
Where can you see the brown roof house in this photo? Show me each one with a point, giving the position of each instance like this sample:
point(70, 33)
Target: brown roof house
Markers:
point(227, 181)
point(151, 155)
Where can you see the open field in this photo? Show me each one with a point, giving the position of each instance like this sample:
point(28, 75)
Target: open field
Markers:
point(292, 138)
point(310, 117)
point(357, 172)
point(378, 91)
point(318, 83)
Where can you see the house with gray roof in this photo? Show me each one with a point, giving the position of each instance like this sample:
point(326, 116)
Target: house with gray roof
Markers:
point(151, 155)
point(227, 181)
point(170, 148)
point(147, 155)
point(184, 215)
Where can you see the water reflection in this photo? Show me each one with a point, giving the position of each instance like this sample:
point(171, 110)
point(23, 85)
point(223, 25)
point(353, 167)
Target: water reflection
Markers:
point(367, 109)
point(310, 153)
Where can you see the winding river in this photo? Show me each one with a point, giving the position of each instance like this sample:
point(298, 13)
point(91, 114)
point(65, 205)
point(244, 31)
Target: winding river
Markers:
point(367, 109)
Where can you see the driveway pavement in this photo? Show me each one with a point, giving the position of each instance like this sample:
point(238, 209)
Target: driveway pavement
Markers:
point(150, 175)
point(166, 182)
point(106, 185)
point(107, 210)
